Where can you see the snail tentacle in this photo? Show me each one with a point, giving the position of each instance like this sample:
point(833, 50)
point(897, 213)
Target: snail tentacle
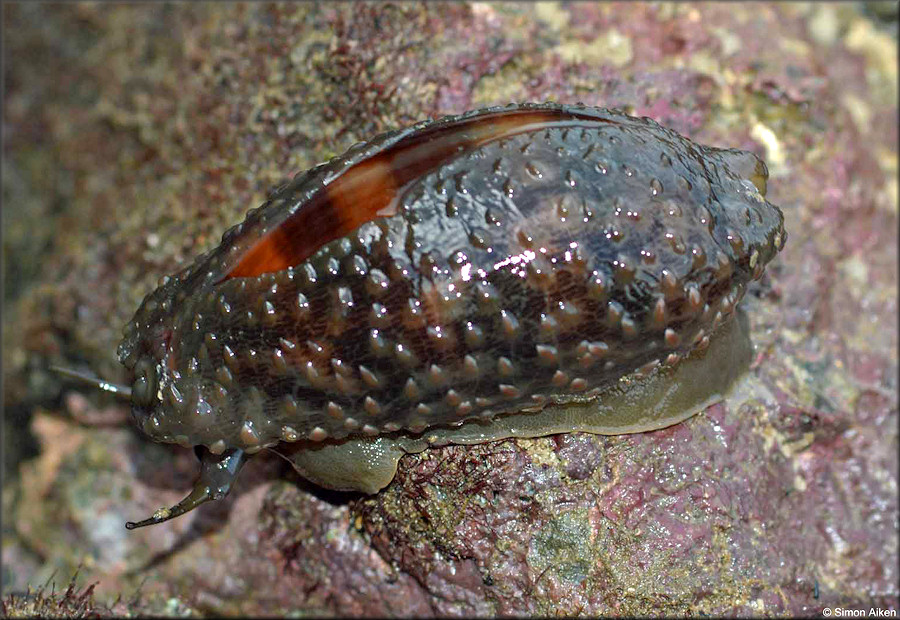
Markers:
point(217, 474)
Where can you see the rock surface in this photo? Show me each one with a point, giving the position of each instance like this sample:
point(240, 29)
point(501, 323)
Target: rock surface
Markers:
point(134, 135)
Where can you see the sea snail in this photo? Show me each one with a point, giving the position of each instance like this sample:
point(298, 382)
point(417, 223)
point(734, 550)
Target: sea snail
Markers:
point(513, 271)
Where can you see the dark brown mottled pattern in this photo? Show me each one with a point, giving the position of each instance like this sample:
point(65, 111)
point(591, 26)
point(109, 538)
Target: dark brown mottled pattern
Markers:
point(541, 265)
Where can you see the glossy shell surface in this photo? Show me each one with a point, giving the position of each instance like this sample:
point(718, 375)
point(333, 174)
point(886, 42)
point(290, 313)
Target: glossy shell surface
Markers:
point(469, 267)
